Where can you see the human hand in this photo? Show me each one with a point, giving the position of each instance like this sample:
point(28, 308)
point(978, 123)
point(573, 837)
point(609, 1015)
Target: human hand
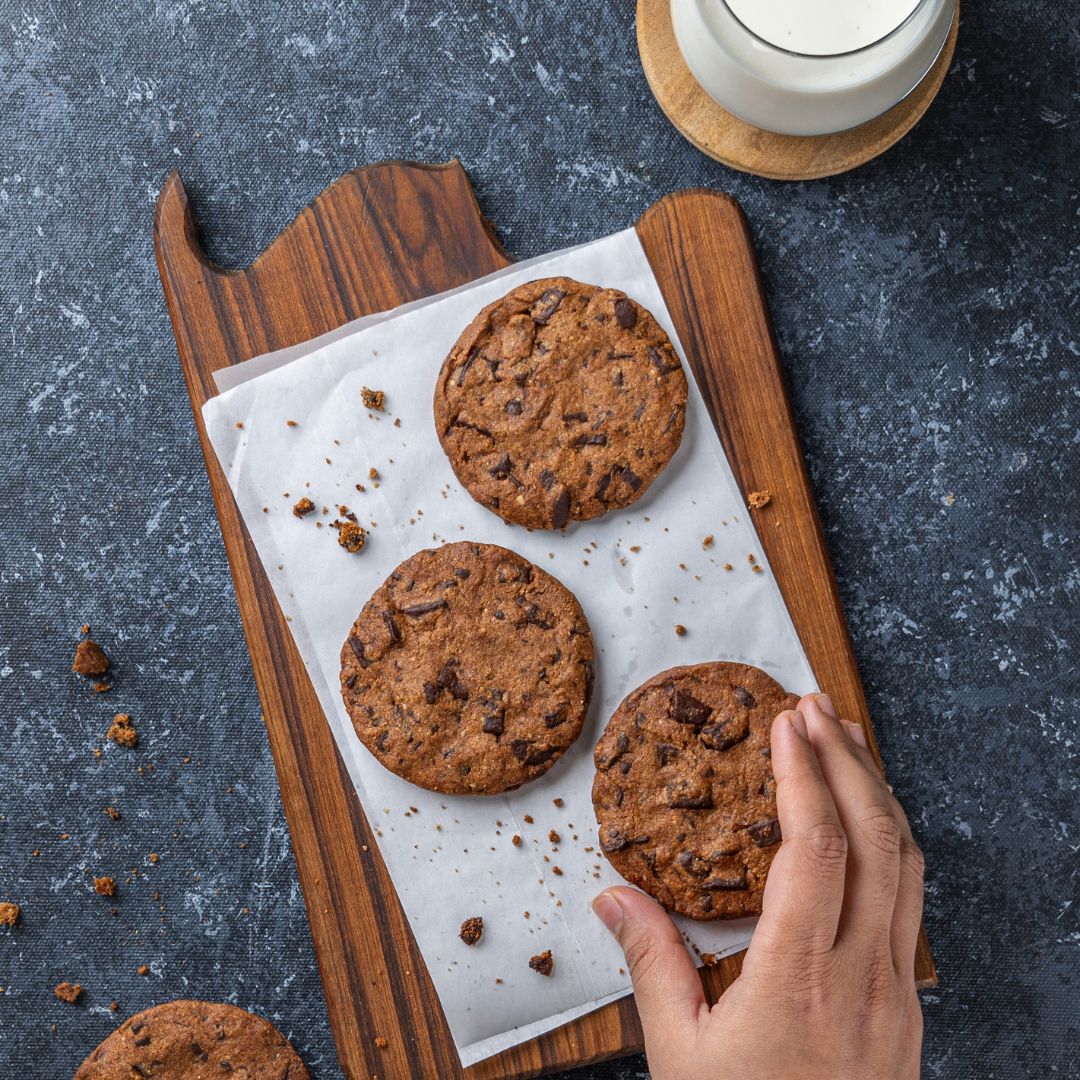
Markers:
point(827, 990)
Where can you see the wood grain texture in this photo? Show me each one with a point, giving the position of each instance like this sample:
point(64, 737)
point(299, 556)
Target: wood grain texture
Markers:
point(739, 145)
point(379, 237)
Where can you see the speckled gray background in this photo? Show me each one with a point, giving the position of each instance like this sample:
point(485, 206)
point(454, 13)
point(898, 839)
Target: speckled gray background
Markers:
point(926, 307)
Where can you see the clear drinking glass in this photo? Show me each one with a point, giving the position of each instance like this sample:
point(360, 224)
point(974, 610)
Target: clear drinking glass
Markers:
point(761, 76)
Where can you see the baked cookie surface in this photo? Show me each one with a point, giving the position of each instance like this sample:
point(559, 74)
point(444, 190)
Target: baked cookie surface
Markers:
point(469, 670)
point(684, 792)
point(559, 402)
point(194, 1040)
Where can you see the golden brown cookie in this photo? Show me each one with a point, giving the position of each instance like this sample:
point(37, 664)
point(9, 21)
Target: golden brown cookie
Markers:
point(194, 1040)
point(560, 402)
point(469, 671)
point(684, 792)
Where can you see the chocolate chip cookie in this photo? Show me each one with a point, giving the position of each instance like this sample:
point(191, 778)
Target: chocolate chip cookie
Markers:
point(195, 1040)
point(469, 671)
point(684, 792)
point(560, 402)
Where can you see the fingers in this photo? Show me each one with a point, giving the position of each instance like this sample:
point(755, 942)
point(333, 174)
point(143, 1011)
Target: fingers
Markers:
point(667, 988)
point(883, 895)
point(804, 893)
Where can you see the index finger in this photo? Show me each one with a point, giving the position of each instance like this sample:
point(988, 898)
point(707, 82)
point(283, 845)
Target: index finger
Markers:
point(804, 893)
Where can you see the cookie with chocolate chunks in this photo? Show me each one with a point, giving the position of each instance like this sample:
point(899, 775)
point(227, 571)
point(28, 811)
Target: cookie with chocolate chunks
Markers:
point(560, 402)
point(196, 1040)
point(684, 791)
point(469, 671)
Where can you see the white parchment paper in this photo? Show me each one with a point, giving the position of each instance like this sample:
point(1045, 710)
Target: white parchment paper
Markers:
point(636, 573)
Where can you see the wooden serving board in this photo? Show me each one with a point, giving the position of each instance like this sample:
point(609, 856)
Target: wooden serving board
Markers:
point(376, 238)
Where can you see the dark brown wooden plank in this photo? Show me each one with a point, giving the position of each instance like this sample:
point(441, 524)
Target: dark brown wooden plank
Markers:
point(377, 238)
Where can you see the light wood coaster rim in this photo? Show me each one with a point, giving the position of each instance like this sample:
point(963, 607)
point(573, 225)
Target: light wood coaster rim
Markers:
point(733, 142)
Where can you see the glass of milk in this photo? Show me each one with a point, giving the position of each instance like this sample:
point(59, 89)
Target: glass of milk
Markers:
point(810, 67)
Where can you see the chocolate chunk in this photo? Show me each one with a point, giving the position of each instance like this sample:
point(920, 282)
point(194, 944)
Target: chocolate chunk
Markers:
point(554, 719)
point(392, 627)
point(547, 478)
point(513, 408)
point(524, 751)
point(678, 798)
point(560, 510)
point(720, 882)
point(744, 697)
point(494, 724)
point(575, 417)
point(765, 833)
point(590, 440)
point(605, 760)
point(416, 610)
point(694, 864)
point(625, 313)
point(502, 468)
point(464, 369)
point(547, 305)
point(725, 734)
point(612, 838)
point(658, 361)
point(357, 647)
point(686, 709)
point(666, 753)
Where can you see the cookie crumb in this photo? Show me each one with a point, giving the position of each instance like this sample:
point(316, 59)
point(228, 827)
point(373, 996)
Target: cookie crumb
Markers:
point(69, 992)
point(114, 1006)
point(373, 399)
point(142, 969)
point(757, 569)
point(303, 507)
point(751, 559)
point(373, 473)
point(708, 541)
point(105, 886)
point(516, 840)
point(380, 1042)
point(351, 536)
point(556, 871)
point(553, 836)
point(542, 963)
point(557, 802)
point(527, 819)
point(9, 913)
point(113, 812)
point(635, 548)
point(680, 630)
point(292, 423)
point(710, 959)
point(90, 659)
point(472, 930)
point(757, 499)
point(101, 688)
point(85, 628)
point(728, 566)
point(123, 731)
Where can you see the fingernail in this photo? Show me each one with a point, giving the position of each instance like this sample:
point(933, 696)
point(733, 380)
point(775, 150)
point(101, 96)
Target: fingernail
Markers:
point(798, 722)
point(609, 911)
point(857, 735)
point(825, 704)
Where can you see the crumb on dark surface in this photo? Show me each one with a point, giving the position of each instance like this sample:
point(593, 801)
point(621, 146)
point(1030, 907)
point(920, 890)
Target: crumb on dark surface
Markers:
point(102, 687)
point(90, 659)
point(123, 731)
point(543, 963)
point(757, 499)
point(143, 969)
point(710, 959)
point(68, 992)
point(472, 930)
point(113, 812)
point(380, 1042)
point(105, 886)
point(9, 913)
point(303, 507)
point(351, 536)
point(373, 399)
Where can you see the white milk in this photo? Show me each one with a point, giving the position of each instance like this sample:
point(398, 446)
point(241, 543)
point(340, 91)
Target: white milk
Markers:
point(822, 27)
point(810, 67)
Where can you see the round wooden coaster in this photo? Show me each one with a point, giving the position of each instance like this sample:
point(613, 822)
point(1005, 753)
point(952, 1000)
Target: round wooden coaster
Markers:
point(716, 132)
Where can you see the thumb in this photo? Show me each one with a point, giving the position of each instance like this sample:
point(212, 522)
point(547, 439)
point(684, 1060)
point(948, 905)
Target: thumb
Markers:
point(667, 988)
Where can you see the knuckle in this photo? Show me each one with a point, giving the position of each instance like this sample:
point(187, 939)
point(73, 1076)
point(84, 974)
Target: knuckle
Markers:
point(826, 843)
point(913, 860)
point(882, 831)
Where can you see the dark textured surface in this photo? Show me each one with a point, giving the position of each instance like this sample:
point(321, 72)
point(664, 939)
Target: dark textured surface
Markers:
point(926, 306)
